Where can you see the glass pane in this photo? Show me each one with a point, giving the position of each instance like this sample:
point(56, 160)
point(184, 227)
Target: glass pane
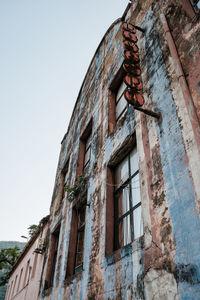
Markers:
point(88, 142)
point(138, 224)
point(121, 172)
point(134, 161)
point(121, 105)
point(135, 187)
point(120, 91)
point(124, 232)
point(123, 201)
point(87, 156)
point(80, 244)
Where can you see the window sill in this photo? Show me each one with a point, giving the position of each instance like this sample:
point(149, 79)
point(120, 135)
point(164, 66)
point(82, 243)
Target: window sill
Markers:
point(124, 251)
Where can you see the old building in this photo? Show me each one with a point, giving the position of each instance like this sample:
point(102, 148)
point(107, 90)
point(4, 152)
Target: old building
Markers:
point(124, 217)
point(24, 281)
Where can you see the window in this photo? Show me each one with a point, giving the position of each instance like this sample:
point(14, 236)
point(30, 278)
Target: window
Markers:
point(76, 243)
point(52, 257)
point(15, 285)
point(64, 179)
point(117, 103)
point(120, 102)
point(80, 239)
point(55, 240)
point(128, 221)
point(123, 201)
point(196, 4)
point(26, 276)
point(34, 265)
point(10, 292)
point(20, 277)
point(84, 151)
point(87, 152)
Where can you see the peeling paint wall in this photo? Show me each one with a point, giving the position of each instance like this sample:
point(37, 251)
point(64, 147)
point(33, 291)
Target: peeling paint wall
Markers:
point(165, 262)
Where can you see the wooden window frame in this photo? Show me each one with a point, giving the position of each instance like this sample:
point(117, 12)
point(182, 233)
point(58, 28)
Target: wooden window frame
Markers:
point(127, 146)
point(80, 228)
point(127, 184)
point(113, 89)
point(72, 252)
point(53, 252)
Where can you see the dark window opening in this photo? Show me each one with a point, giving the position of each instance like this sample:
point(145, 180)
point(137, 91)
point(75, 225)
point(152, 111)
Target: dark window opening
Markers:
point(80, 239)
point(53, 252)
point(55, 241)
point(64, 179)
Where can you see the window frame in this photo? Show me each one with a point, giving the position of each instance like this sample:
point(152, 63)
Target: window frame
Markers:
point(117, 100)
point(80, 228)
point(52, 258)
point(88, 144)
point(194, 5)
point(116, 158)
point(130, 212)
point(113, 89)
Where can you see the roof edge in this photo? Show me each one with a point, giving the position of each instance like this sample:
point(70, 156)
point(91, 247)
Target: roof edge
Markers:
point(106, 33)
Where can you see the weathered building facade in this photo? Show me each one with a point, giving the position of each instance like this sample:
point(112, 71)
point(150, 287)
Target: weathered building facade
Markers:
point(124, 220)
point(24, 281)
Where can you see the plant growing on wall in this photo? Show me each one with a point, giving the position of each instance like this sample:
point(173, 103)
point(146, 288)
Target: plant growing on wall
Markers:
point(78, 189)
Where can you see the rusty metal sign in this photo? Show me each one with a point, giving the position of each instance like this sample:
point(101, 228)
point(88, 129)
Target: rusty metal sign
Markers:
point(129, 27)
point(133, 82)
point(133, 97)
point(131, 57)
point(131, 68)
point(130, 46)
point(132, 79)
point(130, 36)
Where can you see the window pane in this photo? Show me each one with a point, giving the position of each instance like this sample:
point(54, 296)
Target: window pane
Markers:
point(134, 161)
point(120, 91)
point(123, 201)
point(138, 224)
point(135, 188)
point(121, 172)
point(121, 105)
point(88, 141)
point(87, 156)
point(124, 232)
point(80, 244)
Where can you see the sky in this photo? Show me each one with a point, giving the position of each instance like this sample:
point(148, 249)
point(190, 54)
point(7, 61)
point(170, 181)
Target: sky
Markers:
point(46, 47)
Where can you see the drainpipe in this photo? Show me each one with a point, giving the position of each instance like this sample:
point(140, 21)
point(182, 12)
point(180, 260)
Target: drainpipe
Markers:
point(182, 81)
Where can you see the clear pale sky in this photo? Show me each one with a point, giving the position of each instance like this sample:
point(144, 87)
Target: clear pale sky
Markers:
point(45, 49)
